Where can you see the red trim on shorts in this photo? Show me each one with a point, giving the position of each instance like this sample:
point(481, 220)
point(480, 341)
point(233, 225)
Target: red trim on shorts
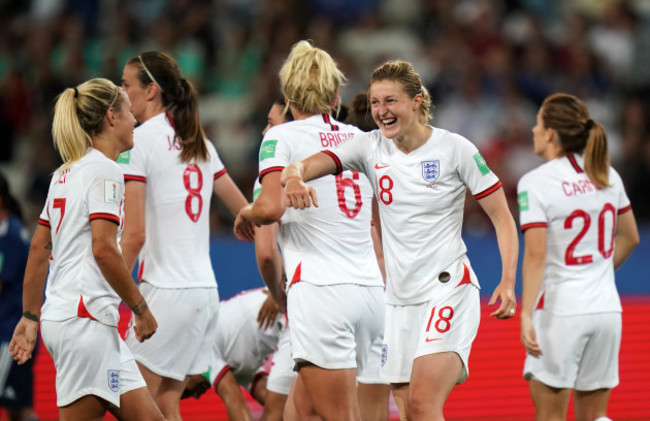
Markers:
point(466, 278)
point(488, 191)
point(625, 209)
point(220, 376)
point(45, 223)
point(82, 311)
point(106, 216)
point(574, 164)
point(140, 270)
point(327, 120)
point(128, 177)
point(296, 275)
point(257, 378)
point(337, 161)
point(540, 304)
point(219, 174)
point(533, 225)
point(268, 171)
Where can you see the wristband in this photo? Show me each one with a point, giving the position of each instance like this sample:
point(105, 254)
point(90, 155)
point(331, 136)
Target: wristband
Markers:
point(30, 316)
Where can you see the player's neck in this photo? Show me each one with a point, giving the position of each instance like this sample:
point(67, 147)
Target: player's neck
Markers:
point(414, 138)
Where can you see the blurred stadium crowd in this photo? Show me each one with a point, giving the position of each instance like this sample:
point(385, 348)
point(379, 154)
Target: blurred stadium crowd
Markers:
point(487, 63)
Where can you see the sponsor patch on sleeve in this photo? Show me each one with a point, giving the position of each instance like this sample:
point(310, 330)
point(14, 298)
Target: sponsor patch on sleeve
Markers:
point(522, 198)
point(256, 193)
point(124, 157)
point(112, 191)
point(480, 162)
point(267, 150)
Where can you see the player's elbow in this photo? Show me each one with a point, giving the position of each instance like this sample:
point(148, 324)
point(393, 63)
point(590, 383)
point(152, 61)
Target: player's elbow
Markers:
point(103, 251)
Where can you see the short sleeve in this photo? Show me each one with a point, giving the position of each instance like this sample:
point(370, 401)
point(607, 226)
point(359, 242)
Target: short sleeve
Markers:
point(531, 209)
point(275, 151)
point(351, 154)
point(134, 161)
point(623, 204)
point(105, 193)
point(473, 170)
point(216, 166)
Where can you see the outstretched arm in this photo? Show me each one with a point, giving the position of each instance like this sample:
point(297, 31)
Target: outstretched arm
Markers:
point(496, 207)
point(298, 194)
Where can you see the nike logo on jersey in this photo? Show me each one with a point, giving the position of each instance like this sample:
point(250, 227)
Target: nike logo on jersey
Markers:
point(379, 167)
point(432, 339)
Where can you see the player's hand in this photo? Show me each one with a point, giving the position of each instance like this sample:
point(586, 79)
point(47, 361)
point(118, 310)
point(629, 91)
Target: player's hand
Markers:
point(23, 340)
point(268, 312)
point(145, 325)
point(506, 295)
point(196, 386)
point(528, 337)
point(244, 229)
point(299, 195)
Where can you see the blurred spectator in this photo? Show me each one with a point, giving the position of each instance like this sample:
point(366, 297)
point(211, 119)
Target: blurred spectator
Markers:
point(483, 62)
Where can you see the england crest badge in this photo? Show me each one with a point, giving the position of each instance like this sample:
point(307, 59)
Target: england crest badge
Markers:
point(430, 171)
point(113, 380)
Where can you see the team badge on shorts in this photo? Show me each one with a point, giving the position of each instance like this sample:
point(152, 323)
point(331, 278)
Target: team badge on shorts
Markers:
point(113, 377)
point(384, 354)
point(430, 170)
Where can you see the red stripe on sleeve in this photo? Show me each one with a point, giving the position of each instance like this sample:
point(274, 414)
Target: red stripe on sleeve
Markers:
point(337, 161)
point(44, 223)
point(220, 376)
point(488, 191)
point(106, 216)
point(533, 225)
point(128, 177)
point(625, 209)
point(257, 378)
point(219, 174)
point(268, 171)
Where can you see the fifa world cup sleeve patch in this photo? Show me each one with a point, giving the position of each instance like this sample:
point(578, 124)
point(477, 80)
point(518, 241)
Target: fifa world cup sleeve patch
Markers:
point(256, 193)
point(124, 157)
point(112, 191)
point(267, 150)
point(480, 162)
point(522, 198)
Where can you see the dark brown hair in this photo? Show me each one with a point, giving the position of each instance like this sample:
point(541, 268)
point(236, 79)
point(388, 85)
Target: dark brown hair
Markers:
point(179, 98)
point(578, 133)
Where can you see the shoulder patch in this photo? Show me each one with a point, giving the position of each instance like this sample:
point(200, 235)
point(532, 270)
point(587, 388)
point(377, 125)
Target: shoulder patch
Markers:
point(267, 150)
point(112, 191)
point(480, 162)
point(522, 199)
point(124, 157)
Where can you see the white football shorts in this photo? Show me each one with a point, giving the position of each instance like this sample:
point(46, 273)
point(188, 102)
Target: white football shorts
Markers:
point(578, 352)
point(90, 359)
point(338, 327)
point(187, 318)
point(444, 324)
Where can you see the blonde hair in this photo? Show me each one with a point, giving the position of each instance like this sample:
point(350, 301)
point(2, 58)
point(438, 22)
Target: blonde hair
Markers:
point(79, 115)
point(404, 73)
point(310, 79)
point(578, 133)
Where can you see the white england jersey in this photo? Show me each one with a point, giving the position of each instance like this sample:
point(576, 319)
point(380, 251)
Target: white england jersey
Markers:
point(330, 244)
point(240, 341)
point(176, 252)
point(421, 197)
point(580, 220)
point(90, 189)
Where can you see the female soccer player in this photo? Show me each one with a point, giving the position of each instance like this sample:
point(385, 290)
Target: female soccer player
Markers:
point(76, 237)
point(170, 175)
point(578, 227)
point(420, 174)
point(335, 293)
